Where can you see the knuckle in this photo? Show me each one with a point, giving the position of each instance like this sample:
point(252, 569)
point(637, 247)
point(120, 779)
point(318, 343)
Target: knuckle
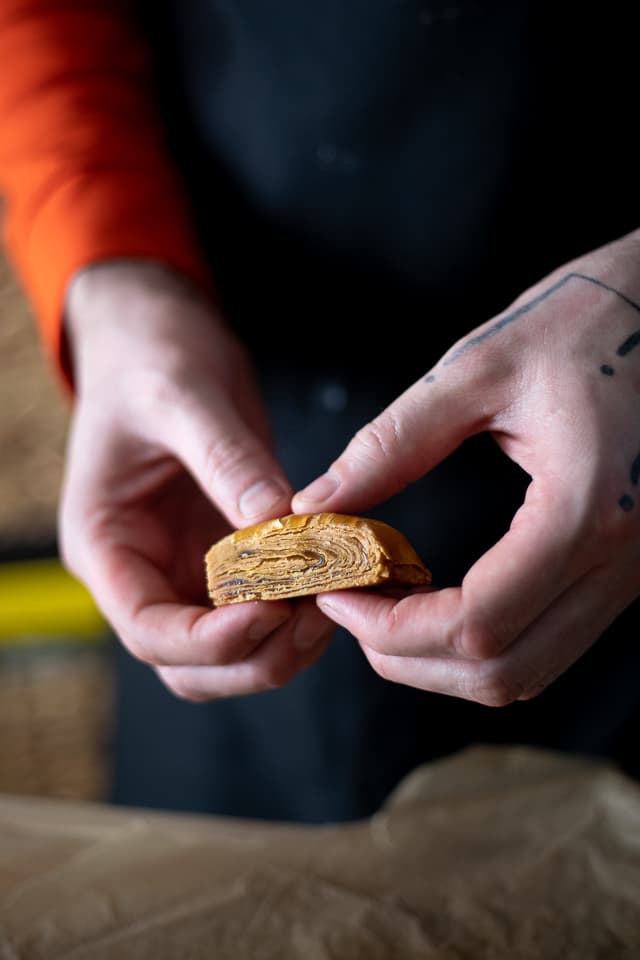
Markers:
point(75, 535)
point(138, 649)
point(156, 391)
point(387, 632)
point(495, 688)
point(378, 439)
point(181, 688)
point(225, 457)
point(143, 643)
point(610, 525)
point(382, 665)
point(138, 642)
point(68, 553)
point(492, 363)
point(383, 669)
point(96, 528)
point(480, 641)
point(184, 692)
point(276, 674)
point(534, 691)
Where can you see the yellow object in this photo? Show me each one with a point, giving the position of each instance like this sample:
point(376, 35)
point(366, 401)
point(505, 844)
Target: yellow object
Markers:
point(40, 600)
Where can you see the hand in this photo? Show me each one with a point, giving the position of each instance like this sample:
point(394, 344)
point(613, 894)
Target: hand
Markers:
point(169, 451)
point(556, 380)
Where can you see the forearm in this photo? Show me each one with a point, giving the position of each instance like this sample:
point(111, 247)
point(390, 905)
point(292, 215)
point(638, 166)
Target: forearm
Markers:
point(83, 165)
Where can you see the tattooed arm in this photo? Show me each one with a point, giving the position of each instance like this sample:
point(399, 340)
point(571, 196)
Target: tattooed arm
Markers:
point(556, 380)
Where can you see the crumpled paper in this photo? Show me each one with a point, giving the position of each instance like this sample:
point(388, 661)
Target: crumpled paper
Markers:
point(492, 853)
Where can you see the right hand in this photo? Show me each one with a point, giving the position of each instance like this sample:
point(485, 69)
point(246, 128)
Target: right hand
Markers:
point(169, 450)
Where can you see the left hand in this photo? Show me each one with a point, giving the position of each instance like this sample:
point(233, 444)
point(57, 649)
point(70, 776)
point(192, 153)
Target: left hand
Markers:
point(556, 380)
point(169, 451)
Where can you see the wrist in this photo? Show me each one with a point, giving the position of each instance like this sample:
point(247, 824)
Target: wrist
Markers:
point(104, 286)
point(137, 314)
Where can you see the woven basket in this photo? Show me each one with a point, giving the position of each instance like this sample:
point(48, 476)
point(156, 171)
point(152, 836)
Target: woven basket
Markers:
point(55, 717)
point(55, 668)
point(56, 684)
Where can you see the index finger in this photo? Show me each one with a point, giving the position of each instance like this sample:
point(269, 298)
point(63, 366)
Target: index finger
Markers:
point(404, 442)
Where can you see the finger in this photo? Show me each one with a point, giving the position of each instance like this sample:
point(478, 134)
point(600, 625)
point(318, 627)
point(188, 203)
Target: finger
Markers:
point(547, 548)
point(569, 628)
point(418, 430)
point(230, 462)
point(508, 588)
point(547, 649)
point(413, 625)
point(133, 592)
point(144, 610)
point(274, 664)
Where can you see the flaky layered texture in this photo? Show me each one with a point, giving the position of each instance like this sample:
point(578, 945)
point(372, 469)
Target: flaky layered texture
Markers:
point(295, 556)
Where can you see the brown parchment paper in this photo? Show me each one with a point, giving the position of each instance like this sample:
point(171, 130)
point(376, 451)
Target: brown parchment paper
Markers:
point(492, 853)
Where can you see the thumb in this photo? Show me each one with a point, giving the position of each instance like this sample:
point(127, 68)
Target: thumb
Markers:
point(230, 461)
point(418, 430)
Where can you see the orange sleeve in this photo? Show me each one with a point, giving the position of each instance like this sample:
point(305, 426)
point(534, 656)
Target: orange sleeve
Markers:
point(84, 172)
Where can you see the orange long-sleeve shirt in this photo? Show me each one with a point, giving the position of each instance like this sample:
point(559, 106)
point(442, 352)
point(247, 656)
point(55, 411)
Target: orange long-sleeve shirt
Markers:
point(84, 172)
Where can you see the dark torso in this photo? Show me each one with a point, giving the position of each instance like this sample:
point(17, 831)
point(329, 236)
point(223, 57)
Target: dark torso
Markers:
point(370, 180)
point(410, 162)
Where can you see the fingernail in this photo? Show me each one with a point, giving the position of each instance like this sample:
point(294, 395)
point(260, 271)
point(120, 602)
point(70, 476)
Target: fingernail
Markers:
point(261, 498)
point(321, 489)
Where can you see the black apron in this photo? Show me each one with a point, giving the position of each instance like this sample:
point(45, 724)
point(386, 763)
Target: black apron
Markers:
point(377, 178)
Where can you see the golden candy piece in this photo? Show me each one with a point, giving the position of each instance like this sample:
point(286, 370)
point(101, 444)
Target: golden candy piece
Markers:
point(298, 555)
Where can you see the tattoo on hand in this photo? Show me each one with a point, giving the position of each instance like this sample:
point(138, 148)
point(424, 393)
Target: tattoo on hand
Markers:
point(509, 318)
point(626, 502)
